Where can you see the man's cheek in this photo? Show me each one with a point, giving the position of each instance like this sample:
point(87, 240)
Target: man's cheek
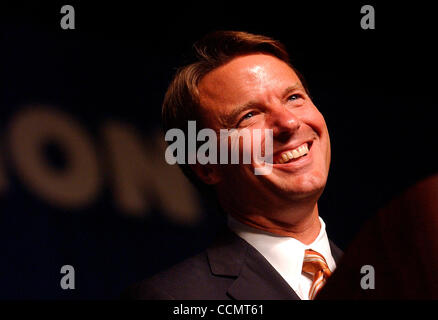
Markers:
point(329, 150)
point(316, 120)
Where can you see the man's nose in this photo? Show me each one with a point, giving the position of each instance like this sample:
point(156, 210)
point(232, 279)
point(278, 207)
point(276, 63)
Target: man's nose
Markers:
point(284, 123)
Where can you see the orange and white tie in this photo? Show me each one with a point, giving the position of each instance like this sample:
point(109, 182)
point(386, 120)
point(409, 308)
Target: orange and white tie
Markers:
point(315, 266)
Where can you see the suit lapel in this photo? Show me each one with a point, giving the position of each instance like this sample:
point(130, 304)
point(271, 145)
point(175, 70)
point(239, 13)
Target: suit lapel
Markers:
point(256, 279)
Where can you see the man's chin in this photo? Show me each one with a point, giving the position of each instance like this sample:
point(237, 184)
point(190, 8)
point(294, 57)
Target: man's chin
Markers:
point(303, 191)
point(301, 195)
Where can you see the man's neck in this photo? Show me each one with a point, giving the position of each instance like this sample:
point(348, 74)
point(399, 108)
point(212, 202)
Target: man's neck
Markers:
point(300, 223)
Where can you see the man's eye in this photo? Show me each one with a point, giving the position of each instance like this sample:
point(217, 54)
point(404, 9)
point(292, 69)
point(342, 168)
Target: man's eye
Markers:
point(294, 97)
point(248, 115)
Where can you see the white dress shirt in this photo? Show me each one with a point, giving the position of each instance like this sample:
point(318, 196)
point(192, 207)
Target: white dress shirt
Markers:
point(285, 254)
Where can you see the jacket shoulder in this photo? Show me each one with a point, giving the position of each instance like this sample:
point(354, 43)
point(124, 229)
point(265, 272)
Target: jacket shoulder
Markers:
point(189, 279)
point(337, 253)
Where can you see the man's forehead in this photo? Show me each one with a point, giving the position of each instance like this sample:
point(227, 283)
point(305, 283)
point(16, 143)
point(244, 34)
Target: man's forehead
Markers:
point(246, 75)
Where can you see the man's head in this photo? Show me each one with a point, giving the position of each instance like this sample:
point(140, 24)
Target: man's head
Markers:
point(246, 81)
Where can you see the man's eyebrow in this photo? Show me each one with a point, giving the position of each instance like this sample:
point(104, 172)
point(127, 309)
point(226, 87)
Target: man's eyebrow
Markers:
point(291, 88)
point(231, 118)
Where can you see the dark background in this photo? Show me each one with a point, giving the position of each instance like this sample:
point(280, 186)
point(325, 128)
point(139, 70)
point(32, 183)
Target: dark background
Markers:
point(376, 89)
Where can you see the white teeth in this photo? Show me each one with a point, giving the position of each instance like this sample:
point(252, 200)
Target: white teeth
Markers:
point(295, 153)
point(292, 154)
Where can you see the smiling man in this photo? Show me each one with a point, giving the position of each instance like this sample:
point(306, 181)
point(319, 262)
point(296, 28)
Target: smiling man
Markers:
point(276, 246)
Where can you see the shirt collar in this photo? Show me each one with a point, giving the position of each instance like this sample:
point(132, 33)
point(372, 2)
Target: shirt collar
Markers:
point(285, 254)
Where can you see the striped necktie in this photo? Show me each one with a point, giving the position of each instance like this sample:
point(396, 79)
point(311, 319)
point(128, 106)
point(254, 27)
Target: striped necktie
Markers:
point(315, 266)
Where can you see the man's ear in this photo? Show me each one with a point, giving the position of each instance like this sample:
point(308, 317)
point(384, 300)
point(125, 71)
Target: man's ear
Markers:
point(208, 173)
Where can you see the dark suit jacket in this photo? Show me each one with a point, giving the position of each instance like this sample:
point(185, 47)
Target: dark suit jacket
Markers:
point(229, 269)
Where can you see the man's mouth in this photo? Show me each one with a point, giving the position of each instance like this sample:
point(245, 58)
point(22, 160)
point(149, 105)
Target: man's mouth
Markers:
point(292, 154)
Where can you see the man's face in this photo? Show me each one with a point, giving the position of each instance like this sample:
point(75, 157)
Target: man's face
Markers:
point(259, 91)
